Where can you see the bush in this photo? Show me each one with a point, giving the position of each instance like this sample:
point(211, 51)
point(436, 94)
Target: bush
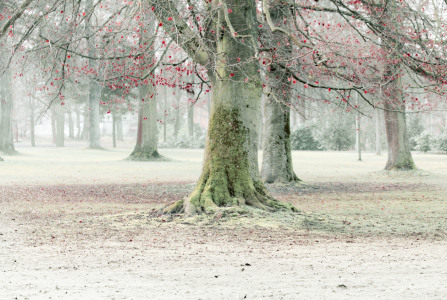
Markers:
point(440, 142)
point(414, 129)
point(337, 132)
point(423, 142)
point(303, 139)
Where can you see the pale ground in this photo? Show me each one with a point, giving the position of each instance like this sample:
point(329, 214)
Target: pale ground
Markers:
point(76, 224)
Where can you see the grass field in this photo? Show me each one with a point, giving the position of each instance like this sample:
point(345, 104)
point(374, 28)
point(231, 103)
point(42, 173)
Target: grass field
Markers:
point(79, 224)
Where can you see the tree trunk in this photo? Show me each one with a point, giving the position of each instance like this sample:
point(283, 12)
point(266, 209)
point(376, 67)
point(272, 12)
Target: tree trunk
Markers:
point(94, 132)
point(119, 127)
point(78, 122)
point(32, 123)
point(191, 120)
point(53, 127)
point(86, 125)
point(277, 153)
point(94, 95)
point(230, 174)
point(358, 144)
point(177, 113)
point(70, 125)
point(114, 129)
point(60, 124)
point(147, 137)
point(378, 142)
point(399, 155)
point(6, 99)
point(165, 114)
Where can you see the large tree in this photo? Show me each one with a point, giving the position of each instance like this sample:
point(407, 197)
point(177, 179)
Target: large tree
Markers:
point(228, 50)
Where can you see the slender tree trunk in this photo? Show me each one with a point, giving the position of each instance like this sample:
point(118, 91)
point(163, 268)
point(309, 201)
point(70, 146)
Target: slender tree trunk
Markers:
point(53, 127)
point(377, 123)
point(6, 99)
point(191, 120)
point(70, 125)
point(60, 124)
point(114, 129)
point(230, 174)
point(165, 114)
point(78, 122)
point(358, 144)
point(94, 87)
point(119, 127)
point(32, 123)
point(86, 125)
point(94, 132)
point(177, 113)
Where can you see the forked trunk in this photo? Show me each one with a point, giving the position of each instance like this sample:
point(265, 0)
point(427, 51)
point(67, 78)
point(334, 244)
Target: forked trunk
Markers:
point(230, 174)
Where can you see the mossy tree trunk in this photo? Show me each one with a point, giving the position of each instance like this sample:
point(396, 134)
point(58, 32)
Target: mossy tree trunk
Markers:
point(230, 174)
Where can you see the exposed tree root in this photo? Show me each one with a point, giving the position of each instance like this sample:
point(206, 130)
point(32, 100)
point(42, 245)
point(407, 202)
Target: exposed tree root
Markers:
point(209, 196)
point(147, 156)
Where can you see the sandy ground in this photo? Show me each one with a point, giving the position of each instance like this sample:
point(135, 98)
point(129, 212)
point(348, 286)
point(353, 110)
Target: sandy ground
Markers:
point(80, 224)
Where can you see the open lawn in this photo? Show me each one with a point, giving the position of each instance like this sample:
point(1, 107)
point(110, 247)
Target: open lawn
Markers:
point(81, 224)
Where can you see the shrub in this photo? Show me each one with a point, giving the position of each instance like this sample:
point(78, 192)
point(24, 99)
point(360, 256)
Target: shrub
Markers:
point(303, 139)
point(423, 142)
point(440, 142)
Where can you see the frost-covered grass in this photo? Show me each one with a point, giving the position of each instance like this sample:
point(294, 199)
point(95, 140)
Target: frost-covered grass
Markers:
point(79, 224)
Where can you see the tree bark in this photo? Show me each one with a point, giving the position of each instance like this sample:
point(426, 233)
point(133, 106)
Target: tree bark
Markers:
point(32, 123)
point(6, 99)
point(399, 155)
point(119, 127)
point(147, 136)
point(114, 130)
point(378, 142)
point(230, 174)
point(277, 154)
point(70, 125)
point(53, 127)
point(94, 87)
point(78, 122)
point(177, 113)
point(60, 124)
